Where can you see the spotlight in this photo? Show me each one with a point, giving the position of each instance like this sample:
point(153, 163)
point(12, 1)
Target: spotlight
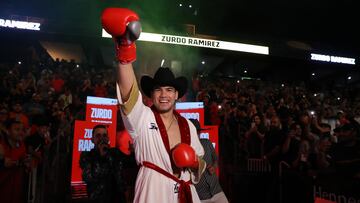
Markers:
point(19, 62)
point(313, 74)
point(203, 62)
point(349, 78)
point(190, 6)
point(180, 5)
point(245, 71)
point(282, 85)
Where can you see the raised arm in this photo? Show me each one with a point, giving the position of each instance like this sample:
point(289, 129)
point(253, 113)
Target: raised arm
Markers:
point(126, 80)
point(124, 26)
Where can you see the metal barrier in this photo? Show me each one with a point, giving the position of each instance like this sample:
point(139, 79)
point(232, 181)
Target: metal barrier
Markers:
point(44, 187)
point(281, 165)
point(258, 166)
point(32, 186)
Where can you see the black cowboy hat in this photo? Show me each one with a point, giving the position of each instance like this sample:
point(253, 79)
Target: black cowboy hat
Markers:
point(163, 77)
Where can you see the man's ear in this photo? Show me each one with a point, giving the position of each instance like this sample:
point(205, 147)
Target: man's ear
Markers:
point(176, 95)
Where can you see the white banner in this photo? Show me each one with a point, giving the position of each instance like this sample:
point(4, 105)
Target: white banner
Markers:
point(19, 24)
point(332, 59)
point(199, 42)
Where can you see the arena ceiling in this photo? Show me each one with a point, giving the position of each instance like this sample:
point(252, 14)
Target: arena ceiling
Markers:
point(322, 25)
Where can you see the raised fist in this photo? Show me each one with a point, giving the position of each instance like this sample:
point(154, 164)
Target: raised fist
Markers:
point(124, 26)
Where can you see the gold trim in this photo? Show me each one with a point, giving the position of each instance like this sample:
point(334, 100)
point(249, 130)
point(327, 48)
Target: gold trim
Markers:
point(128, 106)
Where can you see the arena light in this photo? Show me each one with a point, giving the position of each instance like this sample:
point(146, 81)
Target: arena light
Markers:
point(332, 59)
point(19, 24)
point(199, 42)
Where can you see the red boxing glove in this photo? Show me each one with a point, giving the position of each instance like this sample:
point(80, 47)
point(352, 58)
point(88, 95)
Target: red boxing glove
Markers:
point(184, 156)
point(124, 26)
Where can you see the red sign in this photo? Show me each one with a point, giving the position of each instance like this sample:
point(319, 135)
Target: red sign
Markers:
point(195, 110)
point(98, 111)
point(211, 132)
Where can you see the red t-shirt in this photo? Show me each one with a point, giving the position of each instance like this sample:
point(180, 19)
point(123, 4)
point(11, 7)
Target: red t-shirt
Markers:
point(57, 84)
point(12, 180)
point(100, 91)
point(20, 117)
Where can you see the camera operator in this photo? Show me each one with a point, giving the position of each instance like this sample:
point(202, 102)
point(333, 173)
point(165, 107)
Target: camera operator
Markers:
point(102, 169)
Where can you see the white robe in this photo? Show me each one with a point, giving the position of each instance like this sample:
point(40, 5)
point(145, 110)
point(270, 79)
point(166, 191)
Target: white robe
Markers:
point(151, 186)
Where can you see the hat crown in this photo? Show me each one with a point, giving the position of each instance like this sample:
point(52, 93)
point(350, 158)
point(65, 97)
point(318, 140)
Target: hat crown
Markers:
point(164, 76)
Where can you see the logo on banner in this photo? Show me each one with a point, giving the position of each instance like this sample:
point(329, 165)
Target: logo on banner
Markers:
point(332, 196)
point(86, 144)
point(101, 113)
point(19, 24)
point(191, 41)
point(191, 115)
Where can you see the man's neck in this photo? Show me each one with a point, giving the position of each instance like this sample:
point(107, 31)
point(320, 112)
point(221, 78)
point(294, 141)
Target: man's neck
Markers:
point(167, 116)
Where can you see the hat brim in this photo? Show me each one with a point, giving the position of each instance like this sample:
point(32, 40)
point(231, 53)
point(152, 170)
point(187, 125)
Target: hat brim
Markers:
point(148, 84)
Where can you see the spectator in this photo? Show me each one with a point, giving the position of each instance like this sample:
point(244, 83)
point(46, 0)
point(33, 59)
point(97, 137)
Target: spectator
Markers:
point(86, 89)
point(34, 107)
point(4, 115)
point(29, 84)
point(100, 89)
point(291, 143)
point(18, 114)
point(102, 169)
point(67, 97)
point(44, 86)
point(14, 163)
point(273, 142)
point(209, 188)
point(255, 136)
point(36, 142)
point(346, 153)
point(57, 83)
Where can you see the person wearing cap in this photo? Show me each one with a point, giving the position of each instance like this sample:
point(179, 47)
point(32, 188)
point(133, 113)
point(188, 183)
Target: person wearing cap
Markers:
point(166, 144)
point(209, 188)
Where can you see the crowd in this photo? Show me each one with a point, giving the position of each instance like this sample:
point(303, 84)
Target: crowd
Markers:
point(41, 98)
point(312, 132)
point(296, 128)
